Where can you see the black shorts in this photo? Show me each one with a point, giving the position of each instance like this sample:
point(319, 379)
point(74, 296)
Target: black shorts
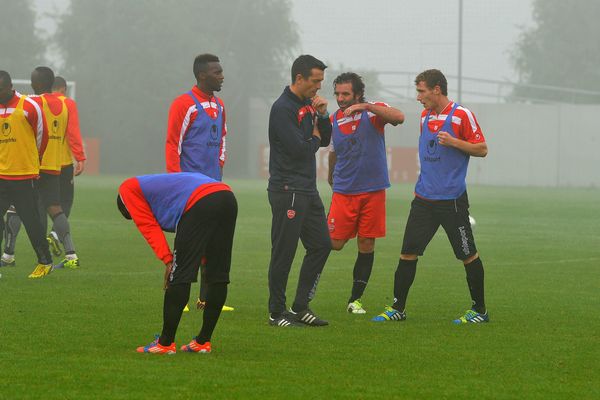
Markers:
point(425, 218)
point(48, 187)
point(205, 230)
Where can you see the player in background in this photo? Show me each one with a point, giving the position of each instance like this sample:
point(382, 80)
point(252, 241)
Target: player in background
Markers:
point(450, 135)
point(72, 148)
point(23, 139)
point(358, 174)
point(56, 115)
point(196, 131)
point(202, 212)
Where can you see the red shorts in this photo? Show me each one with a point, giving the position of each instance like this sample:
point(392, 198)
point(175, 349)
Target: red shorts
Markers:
point(357, 213)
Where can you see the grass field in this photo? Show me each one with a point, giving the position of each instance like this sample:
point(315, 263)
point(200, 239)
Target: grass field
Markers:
point(72, 335)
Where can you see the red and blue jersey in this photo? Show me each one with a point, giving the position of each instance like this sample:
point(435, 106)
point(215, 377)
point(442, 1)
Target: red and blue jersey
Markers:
point(196, 134)
point(361, 164)
point(157, 203)
point(444, 169)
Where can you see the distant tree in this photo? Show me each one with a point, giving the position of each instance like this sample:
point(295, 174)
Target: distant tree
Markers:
point(561, 49)
point(131, 58)
point(21, 49)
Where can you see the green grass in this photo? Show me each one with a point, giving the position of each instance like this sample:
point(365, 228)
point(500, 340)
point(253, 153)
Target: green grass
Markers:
point(72, 335)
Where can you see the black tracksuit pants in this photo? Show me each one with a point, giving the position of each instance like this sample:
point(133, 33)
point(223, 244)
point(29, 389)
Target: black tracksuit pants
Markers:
point(296, 216)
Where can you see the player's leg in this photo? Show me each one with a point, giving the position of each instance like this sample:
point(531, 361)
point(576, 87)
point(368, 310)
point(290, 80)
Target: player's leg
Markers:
point(315, 238)
point(67, 192)
point(342, 219)
point(371, 225)
point(288, 211)
point(24, 198)
point(218, 254)
point(420, 229)
point(4, 205)
point(456, 223)
point(49, 191)
point(11, 230)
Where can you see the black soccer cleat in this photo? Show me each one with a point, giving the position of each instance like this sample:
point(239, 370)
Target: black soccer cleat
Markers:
point(284, 321)
point(307, 317)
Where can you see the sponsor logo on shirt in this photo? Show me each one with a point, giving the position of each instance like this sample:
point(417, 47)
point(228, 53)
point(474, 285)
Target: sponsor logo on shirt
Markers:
point(6, 129)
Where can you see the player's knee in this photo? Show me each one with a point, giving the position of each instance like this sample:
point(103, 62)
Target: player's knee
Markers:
point(366, 245)
point(470, 259)
point(408, 257)
point(337, 244)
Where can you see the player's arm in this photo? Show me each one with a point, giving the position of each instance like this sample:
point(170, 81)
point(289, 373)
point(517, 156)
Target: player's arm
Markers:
point(223, 149)
point(469, 139)
point(177, 114)
point(133, 198)
point(323, 123)
point(74, 137)
point(389, 115)
point(473, 149)
point(283, 125)
point(332, 161)
point(36, 120)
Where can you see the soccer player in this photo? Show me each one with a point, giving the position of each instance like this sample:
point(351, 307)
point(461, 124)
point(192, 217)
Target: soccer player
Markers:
point(197, 123)
point(359, 176)
point(298, 125)
point(56, 116)
point(22, 141)
point(450, 135)
point(202, 212)
point(70, 148)
point(196, 131)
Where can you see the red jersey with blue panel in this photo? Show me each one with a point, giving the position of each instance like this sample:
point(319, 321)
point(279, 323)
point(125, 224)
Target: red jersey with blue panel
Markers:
point(444, 169)
point(196, 134)
point(360, 176)
point(157, 202)
point(361, 164)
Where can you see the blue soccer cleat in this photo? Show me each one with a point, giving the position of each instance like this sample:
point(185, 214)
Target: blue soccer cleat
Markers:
point(472, 317)
point(390, 314)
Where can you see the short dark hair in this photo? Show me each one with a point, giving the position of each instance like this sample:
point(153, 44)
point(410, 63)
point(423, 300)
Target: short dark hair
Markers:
point(358, 86)
point(5, 77)
point(59, 83)
point(201, 62)
point(122, 208)
point(45, 78)
point(433, 78)
point(304, 65)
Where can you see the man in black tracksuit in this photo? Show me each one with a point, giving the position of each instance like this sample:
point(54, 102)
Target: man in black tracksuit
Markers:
point(298, 125)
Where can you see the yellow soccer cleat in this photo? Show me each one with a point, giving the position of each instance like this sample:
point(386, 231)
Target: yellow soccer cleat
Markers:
point(41, 270)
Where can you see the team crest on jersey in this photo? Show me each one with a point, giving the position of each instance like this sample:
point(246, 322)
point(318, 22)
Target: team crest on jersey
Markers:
point(55, 126)
point(213, 132)
point(291, 214)
point(432, 146)
point(6, 128)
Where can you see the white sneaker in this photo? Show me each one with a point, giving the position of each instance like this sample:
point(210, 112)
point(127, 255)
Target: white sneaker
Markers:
point(356, 307)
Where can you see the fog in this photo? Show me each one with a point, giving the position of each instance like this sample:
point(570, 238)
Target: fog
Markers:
point(125, 82)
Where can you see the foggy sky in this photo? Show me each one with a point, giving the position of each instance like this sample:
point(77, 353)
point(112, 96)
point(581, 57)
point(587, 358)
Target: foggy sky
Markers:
point(400, 35)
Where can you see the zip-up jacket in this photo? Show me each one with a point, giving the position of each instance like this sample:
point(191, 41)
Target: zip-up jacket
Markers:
point(292, 162)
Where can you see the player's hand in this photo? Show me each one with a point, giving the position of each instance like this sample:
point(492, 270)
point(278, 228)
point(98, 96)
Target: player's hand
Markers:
point(446, 139)
point(79, 167)
point(320, 104)
point(168, 269)
point(316, 129)
point(354, 108)
point(200, 304)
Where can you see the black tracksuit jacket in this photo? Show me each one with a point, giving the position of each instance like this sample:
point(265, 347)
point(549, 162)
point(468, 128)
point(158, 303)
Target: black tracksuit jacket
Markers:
point(292, 162)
